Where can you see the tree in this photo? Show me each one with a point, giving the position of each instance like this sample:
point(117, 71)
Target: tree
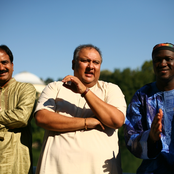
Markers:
point(48, 80)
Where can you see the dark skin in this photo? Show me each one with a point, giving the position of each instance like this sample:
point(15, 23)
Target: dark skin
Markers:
point(163, 64)
point(6, 68)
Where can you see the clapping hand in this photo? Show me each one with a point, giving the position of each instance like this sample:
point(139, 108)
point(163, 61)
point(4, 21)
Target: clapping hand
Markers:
point(156, 127)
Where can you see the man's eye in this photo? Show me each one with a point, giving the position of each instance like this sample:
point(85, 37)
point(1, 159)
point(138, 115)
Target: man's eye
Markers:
point(83, 60)
point(156, 60)
point(96, 62)
point(5, 62)
point(169, 59)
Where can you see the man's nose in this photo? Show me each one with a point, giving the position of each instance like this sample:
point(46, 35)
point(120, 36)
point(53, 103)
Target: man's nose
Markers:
point(1, 66)
point(90, 64)
point(163, 62)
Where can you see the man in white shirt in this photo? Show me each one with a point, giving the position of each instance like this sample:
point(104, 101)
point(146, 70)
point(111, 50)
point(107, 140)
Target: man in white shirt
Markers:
point(81, 116)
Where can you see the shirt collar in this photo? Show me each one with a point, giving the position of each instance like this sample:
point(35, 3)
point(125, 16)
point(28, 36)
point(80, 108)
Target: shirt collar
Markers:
point(12, 80)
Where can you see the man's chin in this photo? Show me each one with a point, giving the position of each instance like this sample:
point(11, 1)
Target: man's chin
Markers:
point(89, 83)
point(2, 78)
point(4, 75)
point(165, 78)
point(88, 80)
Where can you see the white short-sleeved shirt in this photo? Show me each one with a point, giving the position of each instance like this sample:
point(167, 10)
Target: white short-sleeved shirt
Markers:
point(80, 152)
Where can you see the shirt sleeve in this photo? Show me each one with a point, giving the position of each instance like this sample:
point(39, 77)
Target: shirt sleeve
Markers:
point(19, 115)
point(116, 98)
point(48, 96)
point(135, 134)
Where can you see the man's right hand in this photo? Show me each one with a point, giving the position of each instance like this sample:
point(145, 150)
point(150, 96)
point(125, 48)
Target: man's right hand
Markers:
point(93, 123)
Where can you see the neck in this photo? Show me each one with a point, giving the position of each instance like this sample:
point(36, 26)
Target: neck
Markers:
point(89, 85)
point(2, 84)
point(165, 86)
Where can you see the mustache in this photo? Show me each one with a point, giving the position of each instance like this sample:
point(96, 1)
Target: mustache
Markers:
point(3, 71)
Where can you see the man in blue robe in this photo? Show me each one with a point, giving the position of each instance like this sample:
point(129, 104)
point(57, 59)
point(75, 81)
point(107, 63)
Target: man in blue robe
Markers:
point(149, 126)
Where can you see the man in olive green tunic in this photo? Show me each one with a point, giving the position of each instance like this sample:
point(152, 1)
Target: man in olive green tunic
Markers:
point(16, 105)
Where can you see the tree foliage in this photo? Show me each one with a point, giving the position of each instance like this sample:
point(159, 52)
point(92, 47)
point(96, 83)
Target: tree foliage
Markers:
point(130, 80)
point(48, 80)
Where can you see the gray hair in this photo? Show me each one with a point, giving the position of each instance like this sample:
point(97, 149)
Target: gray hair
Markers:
point(77, 50)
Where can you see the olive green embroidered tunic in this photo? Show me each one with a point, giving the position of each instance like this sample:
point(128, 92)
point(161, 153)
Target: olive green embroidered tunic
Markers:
point(16, 105)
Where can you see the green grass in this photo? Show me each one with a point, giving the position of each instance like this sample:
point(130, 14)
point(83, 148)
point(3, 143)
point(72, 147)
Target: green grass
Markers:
point(129, 162)
point(36, 153)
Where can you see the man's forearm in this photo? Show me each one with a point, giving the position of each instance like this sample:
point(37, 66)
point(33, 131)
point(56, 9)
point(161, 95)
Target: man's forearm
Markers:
point(106, 113)
point(56, 122)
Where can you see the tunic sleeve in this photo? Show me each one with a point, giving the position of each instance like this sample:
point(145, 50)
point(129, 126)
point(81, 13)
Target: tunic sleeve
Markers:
point(23, 99)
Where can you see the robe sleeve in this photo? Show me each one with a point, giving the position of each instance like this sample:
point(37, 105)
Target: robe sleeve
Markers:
point(135, 134)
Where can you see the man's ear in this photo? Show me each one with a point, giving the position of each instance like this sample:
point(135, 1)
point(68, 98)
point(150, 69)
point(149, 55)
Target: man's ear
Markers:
point(73, 64)
point(12, 66)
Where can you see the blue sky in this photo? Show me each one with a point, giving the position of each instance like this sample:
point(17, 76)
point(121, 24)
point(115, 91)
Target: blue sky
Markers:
point(43, 34)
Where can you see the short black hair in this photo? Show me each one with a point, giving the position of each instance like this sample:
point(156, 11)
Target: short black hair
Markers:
point(8, 51)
